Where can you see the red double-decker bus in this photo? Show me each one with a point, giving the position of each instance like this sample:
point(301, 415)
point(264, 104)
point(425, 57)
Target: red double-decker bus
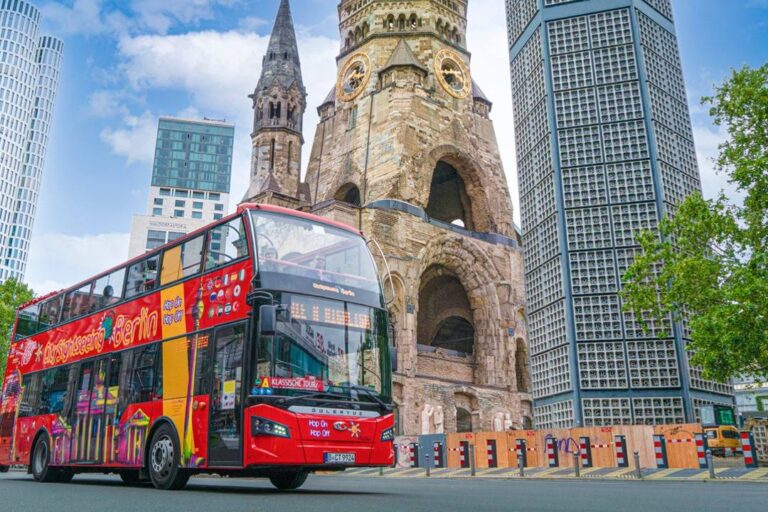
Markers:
point(257, 346)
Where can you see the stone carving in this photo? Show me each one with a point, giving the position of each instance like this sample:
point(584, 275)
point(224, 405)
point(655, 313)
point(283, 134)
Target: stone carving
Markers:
point(439, 420)
point(426, 419)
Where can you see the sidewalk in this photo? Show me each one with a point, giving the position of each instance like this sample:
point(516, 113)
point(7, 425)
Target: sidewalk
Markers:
point(759, 475)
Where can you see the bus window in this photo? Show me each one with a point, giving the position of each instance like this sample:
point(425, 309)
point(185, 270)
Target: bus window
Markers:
point(203, 363)
point(142, 276)
point(108, 290)
point(28, 321)
point(54, 391)
point(182, 261)
point(30, 396)
point(146, 383)
point(78, 302)
point(50, 312)
point(226, 243)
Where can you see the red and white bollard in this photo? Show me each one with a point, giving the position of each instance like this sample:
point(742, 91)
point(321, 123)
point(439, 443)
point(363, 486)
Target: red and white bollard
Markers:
point(701, 450)
point(748, 448)
point(551, 446)
point(521, 452)
point(437, 453)
point(490, 445)
point(585, 452)
point(660, 451)
point(414, 455)
point(464, 454)
point(620, 442)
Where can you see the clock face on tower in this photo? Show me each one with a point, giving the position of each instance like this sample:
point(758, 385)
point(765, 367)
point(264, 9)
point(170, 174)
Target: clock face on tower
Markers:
point(453, 74)
point(354, 77)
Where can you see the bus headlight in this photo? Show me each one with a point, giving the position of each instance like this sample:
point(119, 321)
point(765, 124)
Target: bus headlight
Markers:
point(388, 434)
point(263, 427)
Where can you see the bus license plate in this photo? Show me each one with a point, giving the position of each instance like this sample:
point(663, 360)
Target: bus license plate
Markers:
point(339, 458)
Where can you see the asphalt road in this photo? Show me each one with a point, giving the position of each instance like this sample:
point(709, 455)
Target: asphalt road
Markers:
point(88, 493)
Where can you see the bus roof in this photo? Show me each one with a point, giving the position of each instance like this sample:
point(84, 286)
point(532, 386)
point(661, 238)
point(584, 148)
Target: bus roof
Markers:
point(240, 209)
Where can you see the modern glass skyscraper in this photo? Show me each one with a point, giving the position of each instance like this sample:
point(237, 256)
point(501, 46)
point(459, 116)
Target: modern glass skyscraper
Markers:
point(604, 149)
point(29, 75)
point(190, 181)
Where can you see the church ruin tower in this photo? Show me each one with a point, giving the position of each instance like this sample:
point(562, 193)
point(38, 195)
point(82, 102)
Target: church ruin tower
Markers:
point(279, 102)
point(405, 150)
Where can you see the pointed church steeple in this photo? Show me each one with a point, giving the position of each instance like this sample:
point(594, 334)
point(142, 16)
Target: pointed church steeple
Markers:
point(279, 102)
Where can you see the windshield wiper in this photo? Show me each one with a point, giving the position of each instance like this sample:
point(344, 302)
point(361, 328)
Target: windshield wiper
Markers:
point(371, 393)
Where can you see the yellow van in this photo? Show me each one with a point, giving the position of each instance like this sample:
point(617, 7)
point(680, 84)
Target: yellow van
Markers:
point(723, 440)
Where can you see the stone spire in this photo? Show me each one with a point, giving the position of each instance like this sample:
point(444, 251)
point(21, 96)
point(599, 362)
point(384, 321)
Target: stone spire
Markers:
point(279, 102)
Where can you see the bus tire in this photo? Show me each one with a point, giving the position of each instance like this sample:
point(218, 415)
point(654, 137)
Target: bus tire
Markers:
point(163, 462)
point(289, 481)
point(5, 469)
point(41, 460)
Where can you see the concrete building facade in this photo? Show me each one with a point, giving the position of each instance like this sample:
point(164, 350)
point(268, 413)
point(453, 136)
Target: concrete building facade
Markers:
point(406, 151)
point(604, 149)
point(30, 64)
point(190, 181)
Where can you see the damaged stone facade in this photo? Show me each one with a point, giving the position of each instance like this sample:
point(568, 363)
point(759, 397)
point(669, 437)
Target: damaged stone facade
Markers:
point(405, 151)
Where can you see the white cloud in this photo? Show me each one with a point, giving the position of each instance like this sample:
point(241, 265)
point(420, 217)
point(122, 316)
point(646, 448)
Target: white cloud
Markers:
point(107, 103)
point(217, 70)
point(91, 17)
point(135, 140)
point(59, 260)
point(708, 140)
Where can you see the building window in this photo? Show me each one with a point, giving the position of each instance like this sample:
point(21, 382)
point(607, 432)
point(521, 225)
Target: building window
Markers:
point(181, 193)
point(219, 207)
point(174, 236)
point(165, 192)
point(155, 239)
point(158, 201)
point(214, 197)
point(178, 213)
point(157, 212)
point(198, 195)
point(180, 204)
point(197, 215)
point(217, 216)
point(197, 205)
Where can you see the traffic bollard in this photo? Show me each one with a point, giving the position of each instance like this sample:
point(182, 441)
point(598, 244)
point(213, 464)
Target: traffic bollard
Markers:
point(711, 465)
point(521, 465)
point(638, 473)
point(576, 464)
point(426, 464)
point(381, 471)
point(472, 471)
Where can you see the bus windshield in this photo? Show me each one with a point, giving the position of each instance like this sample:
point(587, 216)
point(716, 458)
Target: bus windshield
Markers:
point(301, 255)
point(324, 346)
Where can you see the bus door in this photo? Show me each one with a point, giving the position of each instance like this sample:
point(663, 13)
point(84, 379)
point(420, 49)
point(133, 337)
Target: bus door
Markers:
point(225, 431)
point(89, 422)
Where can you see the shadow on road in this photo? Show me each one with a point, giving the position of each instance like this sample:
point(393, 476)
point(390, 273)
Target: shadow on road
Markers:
point(200, 485)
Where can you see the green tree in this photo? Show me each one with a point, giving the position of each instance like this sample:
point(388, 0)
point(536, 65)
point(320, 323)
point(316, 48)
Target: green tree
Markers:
point(710, 264)
point(12, 295)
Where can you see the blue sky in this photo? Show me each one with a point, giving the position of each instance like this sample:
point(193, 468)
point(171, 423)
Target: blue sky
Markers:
point(128, 62)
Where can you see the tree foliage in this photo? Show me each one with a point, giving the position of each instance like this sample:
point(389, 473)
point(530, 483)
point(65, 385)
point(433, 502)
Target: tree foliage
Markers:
point(12, 295)
point(709, 267)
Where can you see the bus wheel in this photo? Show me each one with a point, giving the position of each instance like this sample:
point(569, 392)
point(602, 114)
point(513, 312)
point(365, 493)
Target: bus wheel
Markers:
point(289, 481)
point(5, 469)
point(41, 460)
point(163, 461)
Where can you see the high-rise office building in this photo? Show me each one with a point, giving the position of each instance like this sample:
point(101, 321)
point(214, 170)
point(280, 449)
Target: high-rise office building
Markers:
point(604, 149)
point(190, 181)
point(29, 76)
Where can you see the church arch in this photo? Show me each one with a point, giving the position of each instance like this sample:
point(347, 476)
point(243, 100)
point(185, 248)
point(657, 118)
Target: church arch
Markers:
point(389, 23)
point(521, 367)
point(448, 198)
point(445, 317)
point(460, 181)
point(463, 420)
point(348, 193)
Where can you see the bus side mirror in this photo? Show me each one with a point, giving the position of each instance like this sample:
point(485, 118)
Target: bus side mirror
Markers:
point(393, 356)
point(267, 320)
